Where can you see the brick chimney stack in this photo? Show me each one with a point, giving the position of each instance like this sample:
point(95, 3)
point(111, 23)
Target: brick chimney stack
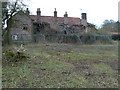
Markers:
point(84, 16)
point(38, 15)
point(84, 21)
point(55, 13)
point(38, 12)
point(65, 15)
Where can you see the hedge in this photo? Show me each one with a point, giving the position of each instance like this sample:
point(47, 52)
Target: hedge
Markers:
point(115, 36)
point(90, 38)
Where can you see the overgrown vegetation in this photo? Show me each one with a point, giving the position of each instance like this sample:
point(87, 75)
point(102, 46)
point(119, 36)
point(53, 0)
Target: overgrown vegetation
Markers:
point(110, 26)
point(87, 38)
point(14, 55)
point(53, 65)
point(116, 37)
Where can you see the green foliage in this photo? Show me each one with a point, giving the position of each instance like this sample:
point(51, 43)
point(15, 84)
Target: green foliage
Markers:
point(110, 25)
point(116, 36)
point(14, 55)
point(88, 38)
point(62, 38)
point(74, 38)
point(103, 39)
point(101, 32)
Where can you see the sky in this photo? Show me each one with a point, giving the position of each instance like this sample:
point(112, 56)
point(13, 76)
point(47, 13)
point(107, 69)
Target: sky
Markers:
point(97, 10)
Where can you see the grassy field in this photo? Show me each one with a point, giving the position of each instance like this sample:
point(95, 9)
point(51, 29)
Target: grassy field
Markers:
point(55, 65)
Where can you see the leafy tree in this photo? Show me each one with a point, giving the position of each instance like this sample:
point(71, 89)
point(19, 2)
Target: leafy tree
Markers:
point(110, 26)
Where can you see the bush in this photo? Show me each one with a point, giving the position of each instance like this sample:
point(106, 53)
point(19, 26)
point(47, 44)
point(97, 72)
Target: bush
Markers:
point(15, 55)
point(62, 38)
point(70, 39)
point(88, 38)
point(116, 36)
point(75, 38)
point(104, 39)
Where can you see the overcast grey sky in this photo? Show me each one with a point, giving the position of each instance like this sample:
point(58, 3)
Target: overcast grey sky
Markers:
point(97, 10)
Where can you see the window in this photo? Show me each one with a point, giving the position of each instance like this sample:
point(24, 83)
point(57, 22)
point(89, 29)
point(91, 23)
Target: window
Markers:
point(14, 37)
point(24, 28)
point(65, 32)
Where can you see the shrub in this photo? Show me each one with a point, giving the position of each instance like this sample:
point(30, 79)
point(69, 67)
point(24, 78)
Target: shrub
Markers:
point(62, 38)
point(104, 39)
point(75, 38)
point(88, 38)
point(15, 55)
point(116, 36)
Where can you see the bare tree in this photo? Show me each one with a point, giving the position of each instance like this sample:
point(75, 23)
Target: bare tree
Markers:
point(8, 10)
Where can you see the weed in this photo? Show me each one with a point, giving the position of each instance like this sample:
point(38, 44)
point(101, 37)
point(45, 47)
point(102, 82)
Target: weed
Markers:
point(14, 55)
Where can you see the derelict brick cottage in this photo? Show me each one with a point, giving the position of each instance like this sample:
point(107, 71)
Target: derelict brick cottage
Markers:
point(23, 26)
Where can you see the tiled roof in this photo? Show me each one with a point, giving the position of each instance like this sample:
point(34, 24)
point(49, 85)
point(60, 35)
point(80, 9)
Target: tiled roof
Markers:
point(51, 19)
point(113, 33)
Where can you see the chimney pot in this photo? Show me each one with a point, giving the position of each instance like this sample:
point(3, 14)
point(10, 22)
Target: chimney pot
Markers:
point(27, 11)
point(65, 15)
point(84, 16)
point(38, 12)
point(55, 13)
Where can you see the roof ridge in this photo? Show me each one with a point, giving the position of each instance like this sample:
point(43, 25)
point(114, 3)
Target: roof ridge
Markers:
point(56, 17)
